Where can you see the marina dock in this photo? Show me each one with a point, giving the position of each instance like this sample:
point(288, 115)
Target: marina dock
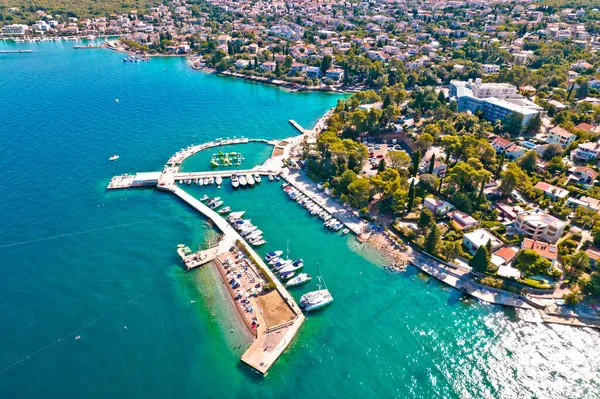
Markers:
point(15, 51)
point(297, 126)
point(271, 339)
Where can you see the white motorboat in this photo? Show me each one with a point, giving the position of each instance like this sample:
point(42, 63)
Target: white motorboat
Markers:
point(286, 276)
point(113, 158)
point(216, 204)
point(250, 179)
point(204, 197)
point(315, 300)
point(291, 268)
point(345, 231)
point(247, 230)
point(271, 178)
point(274, 254)
point(242, 180)
point(219, 180)
point(257, 178)
point(200, 182)
point(281, 264)
point(302, 278)
point(235, 182)
point(233, 216)
point(211, 180)
point(224, 210)
point(258, 243)
point(205, 181)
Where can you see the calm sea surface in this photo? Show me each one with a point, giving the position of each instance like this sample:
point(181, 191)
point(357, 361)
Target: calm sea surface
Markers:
point(76, 260)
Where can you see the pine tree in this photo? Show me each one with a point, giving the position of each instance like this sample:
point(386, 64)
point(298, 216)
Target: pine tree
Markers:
point(277, 69)
point(488, 248)
point(381, 166)
point(416, 160)
point(411, 197)
point(386, 101)
point(500, 165)
point(479, 199)
point(479, 261)
point(433, 239)
point(431, 164)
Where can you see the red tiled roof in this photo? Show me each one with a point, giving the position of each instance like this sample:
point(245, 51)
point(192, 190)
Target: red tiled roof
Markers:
point(548, 251)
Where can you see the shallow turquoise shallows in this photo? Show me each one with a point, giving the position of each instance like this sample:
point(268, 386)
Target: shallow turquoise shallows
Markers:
point(79, 261)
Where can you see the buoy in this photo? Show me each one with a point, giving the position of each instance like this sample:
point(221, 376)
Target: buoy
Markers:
point(117, 100)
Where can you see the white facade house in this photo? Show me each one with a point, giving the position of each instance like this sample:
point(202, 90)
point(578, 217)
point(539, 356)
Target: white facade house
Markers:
point(586, 152)
point(561, 136)
point(490, 68)
point(478, 238)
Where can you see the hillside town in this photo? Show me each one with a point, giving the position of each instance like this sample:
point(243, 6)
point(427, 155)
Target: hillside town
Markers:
point(472, 130)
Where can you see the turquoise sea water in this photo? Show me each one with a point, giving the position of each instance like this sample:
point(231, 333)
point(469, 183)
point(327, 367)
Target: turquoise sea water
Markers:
point(76, 260)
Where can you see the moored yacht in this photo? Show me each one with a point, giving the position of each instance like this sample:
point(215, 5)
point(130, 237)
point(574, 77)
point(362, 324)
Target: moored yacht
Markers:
point(219, 180)
point(243, 180)
point(250, 179)
point(257, 178)
point(273, 254)
point(315, 300)
point(302, 278)
point(235, 183)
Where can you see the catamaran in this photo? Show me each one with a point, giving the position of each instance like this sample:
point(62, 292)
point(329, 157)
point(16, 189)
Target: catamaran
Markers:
point(302, 278)
point(315, 299)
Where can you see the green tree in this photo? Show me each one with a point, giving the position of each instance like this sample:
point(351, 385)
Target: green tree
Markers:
point(431, 164)
point(530, 263)
point(535, 125)
point(424, 142)
point(344, 181)
point(513, 124)
point(411, 197)
point(480, 260)
point(529, 161)
point(381, 166)
point(425, 218)
point(511, 178)
point(359, 192)
point(553, 150)
point(433, 240)
point(277, 69)
point(416, 159)
point(398, 159)
point(325, 64)
point(576, 265)
point(450, 250)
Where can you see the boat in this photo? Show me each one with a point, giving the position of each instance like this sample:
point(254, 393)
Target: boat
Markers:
point(247, 230)
point(291, 268)
point(233, 216)
point(250, 179)
point(113, 158)
point(315, 300)
point(277, 178)
point(257, 178)
point(217, 204)
point(188, 181)
point(235, 181)
point(300, 279)
point(200, 182)
point(345, 231)
point(219, 180)
point(205, 181)
point(212, 201)
point(286, 276)
point(224, 210)
point(273, 254)
point(204, 197)
point(242, 180)
point(271, 178)
point(280, 264)
point(211, 180)
point(258, 242)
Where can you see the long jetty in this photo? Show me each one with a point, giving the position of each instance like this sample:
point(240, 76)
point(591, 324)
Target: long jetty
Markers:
point(258, 356)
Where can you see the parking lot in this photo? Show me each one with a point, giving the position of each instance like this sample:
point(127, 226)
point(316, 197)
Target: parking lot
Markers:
point(376, 153)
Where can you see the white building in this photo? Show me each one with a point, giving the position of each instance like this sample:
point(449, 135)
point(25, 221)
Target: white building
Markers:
point(494, 100)
point(539, 226)
point(478, 238)
point(490, 68)
point(561, 136)
point(14, 30)
point(586, 152)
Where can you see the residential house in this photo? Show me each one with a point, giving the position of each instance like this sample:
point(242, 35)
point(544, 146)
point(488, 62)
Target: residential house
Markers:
point(587, 202)
point(335, 74)
point(539, 226)
point(544, 249)
point(480, 237)
point(593, 255)
point(552, 191)
point(438, 207)
point(313, 72)
point(268, 66)
point(561, 136)
point(583, 175)
point(462, 220)
point(503, 259)
point(500, 144)
point(514, 151)
point(586, 152)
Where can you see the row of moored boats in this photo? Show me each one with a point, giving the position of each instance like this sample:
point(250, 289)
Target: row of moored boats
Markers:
point(206, 181)
point(314, 209)
point(251, 233)
point(286, 270)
